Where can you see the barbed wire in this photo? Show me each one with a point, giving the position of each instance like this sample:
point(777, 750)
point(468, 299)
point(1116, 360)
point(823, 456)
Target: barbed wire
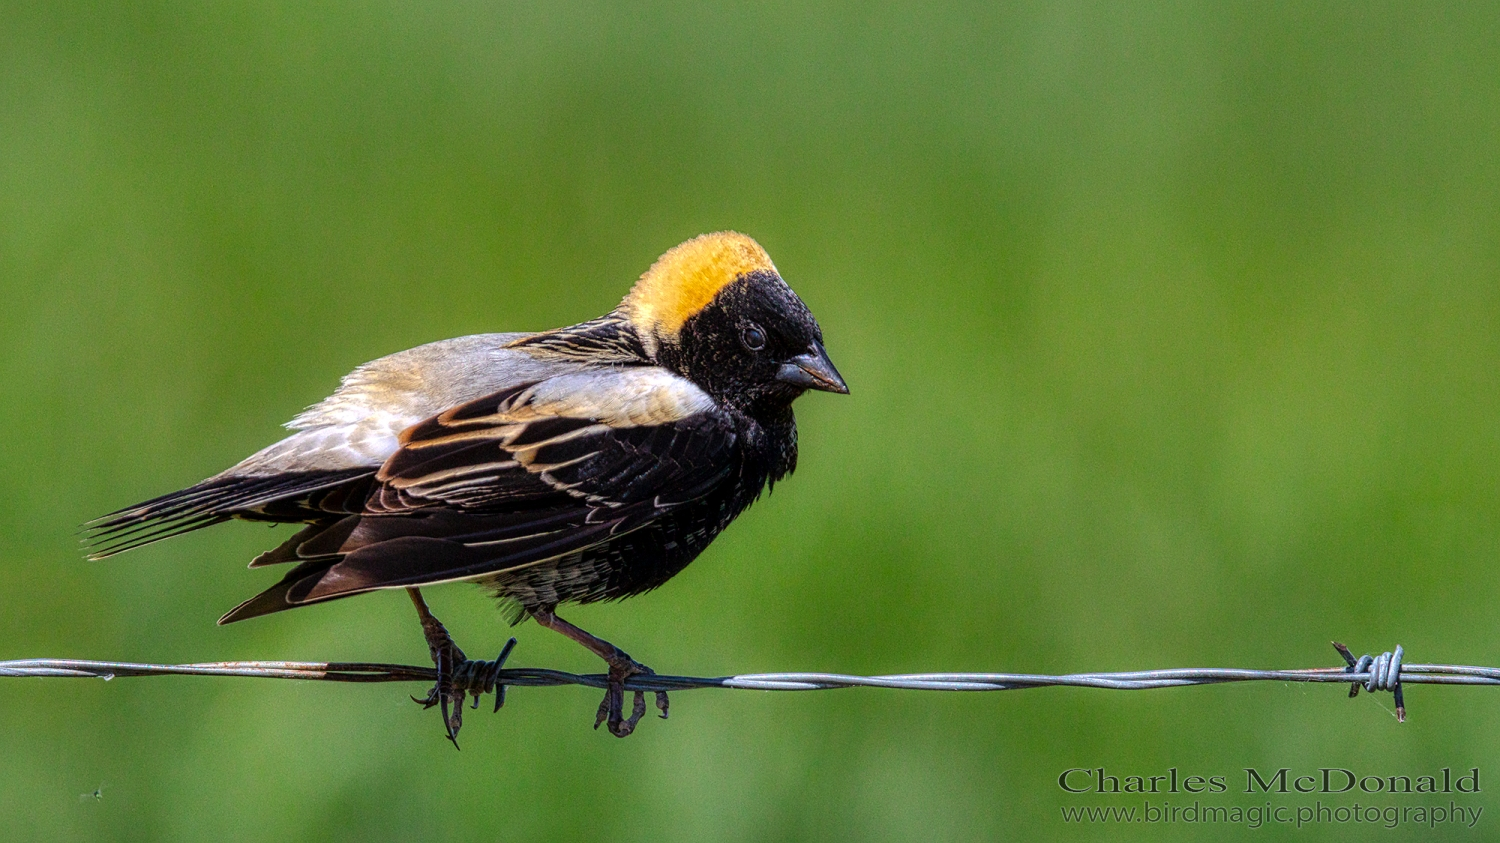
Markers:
point(1385, 672)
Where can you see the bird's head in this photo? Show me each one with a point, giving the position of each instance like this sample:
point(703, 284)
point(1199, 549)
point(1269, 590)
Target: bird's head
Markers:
point(715, 310)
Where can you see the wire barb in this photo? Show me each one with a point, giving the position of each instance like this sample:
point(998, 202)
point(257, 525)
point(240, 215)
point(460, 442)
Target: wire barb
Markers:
point(1384, 672)
point(460, 678)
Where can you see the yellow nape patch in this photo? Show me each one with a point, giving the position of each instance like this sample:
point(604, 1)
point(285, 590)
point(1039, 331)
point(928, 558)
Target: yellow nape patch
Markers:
point(684, 280)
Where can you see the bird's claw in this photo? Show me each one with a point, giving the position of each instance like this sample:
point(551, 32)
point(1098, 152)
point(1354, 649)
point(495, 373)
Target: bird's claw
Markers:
point(457, 678)
point(612, 707)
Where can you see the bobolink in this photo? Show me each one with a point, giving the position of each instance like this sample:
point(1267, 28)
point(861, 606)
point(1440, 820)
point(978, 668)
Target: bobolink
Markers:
point(588, 463)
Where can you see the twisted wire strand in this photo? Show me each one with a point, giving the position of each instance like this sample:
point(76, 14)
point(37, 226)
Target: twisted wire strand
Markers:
point(1385, 672)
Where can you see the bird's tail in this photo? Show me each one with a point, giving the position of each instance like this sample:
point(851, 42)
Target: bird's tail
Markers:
point(282, 497)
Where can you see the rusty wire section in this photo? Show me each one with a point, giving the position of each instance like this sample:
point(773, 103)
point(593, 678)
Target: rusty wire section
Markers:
point(1385, 672)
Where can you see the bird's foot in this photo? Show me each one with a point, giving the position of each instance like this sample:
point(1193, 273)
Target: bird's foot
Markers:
point(621, 668)
point(457, 675)
point(612, 707)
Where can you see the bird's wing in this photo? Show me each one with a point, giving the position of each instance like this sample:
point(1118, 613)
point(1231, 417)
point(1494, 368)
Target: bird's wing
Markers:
point(604, 438)
point(526, 475)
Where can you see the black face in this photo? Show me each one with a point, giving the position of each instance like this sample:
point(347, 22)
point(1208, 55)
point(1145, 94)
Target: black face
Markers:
point(755, 346)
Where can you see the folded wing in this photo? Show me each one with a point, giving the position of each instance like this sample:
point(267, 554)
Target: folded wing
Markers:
point(525, 476)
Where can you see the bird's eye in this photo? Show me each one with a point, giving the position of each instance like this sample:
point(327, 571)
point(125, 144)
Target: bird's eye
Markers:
point(753, 337)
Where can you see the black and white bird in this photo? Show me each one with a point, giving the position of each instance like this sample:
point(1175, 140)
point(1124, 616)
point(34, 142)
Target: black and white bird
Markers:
point(587, 463)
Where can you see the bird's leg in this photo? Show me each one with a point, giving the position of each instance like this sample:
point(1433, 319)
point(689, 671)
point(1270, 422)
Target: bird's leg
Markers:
point(445, 655)
point(457, 676)
point(621, 668)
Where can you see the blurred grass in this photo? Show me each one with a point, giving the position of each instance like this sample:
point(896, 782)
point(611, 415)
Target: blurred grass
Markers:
point(1171, 331)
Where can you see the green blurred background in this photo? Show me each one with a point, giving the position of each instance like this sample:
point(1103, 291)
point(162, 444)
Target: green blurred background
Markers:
point(1171, 328)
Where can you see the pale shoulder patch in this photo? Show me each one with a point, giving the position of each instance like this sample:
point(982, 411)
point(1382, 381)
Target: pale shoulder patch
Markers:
point(684, 280)
point(631, 397)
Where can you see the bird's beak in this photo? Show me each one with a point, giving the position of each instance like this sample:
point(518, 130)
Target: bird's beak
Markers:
point(813, 370)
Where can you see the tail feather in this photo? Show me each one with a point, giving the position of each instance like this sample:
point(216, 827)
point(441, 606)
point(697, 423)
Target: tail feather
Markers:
point(105, 544)
point(212, 502)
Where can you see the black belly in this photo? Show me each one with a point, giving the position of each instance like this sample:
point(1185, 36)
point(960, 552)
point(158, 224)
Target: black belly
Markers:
point(629, 564)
